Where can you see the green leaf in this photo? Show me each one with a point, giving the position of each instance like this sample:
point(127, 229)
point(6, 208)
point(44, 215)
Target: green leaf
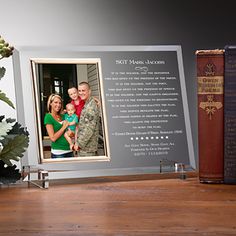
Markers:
point(9, 174)
point(4, 128)
point(6, 99)
point(1, 118)
point(10, 120)
point(2, 72)
point(13, 149)
point(17, 128)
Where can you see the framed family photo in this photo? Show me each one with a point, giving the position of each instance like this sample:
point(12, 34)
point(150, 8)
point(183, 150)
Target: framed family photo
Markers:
point(57, 76)
point(141, 96)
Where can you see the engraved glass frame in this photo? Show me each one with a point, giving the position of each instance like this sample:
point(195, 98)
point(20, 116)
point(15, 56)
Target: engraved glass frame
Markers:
point(116, 161)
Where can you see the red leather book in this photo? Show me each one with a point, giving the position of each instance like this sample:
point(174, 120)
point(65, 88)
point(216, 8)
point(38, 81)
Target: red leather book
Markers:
point(210, 79)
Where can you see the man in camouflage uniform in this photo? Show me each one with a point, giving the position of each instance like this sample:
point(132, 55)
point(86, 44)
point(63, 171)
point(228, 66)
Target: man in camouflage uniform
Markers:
point(87, 142)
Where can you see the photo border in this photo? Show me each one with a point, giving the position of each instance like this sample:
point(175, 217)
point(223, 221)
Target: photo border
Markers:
point(34, 62)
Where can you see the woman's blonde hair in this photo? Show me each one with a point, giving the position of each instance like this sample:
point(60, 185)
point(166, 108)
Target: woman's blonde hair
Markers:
point(51, 99)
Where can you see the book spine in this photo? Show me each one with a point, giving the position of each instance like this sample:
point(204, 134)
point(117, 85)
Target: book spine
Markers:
point(230, 116)
point(210, 78)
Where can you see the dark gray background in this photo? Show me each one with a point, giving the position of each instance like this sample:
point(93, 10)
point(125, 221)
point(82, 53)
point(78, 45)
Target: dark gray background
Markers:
point(202, 24)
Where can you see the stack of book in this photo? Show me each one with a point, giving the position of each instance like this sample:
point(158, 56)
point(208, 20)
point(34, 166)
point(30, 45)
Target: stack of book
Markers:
point(216, 76)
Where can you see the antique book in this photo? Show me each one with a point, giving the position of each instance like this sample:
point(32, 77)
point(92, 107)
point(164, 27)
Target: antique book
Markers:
point(230, 115)
point(210, 80)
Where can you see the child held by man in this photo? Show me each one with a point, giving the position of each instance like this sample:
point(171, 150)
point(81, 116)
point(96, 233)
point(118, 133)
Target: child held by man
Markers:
point(76, 100)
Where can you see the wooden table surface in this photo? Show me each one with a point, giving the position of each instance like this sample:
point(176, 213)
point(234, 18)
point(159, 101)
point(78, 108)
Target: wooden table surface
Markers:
point(138, 207)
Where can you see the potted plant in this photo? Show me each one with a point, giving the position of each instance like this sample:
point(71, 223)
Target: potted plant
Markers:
point(14, 139)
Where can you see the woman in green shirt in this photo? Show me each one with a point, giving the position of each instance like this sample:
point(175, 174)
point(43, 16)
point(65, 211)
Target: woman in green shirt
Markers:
point(56, 126)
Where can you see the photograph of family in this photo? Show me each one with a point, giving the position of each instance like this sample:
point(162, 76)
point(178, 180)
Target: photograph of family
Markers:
point(69, 107)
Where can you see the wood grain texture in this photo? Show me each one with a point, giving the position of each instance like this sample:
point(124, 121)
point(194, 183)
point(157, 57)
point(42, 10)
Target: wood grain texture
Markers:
point(138, 207)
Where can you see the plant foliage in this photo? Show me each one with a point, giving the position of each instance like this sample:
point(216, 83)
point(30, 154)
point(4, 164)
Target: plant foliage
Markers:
point(5, 127)
point(14, 139)
point(9, 174)
point(5, 99)
point(2, 72)
point(13, 148)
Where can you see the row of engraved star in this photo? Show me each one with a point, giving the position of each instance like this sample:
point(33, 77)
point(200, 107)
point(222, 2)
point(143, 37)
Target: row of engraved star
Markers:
point(147, 138)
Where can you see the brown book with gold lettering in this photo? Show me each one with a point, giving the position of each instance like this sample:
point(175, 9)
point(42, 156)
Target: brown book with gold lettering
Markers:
point(210, 79)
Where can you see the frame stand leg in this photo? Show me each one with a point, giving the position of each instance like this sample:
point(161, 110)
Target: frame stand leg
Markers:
point(179, 167)
point(42, 180)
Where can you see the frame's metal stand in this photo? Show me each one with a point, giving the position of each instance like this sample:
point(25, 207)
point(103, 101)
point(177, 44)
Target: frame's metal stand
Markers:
point(166, 163)
point(41, 182)
point(178, 167)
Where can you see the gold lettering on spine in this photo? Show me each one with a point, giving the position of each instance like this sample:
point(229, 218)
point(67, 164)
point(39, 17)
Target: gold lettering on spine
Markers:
point(210, 85)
